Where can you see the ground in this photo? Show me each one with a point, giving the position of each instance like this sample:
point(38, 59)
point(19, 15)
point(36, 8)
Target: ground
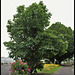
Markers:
point(5, 69)
point(65, 70)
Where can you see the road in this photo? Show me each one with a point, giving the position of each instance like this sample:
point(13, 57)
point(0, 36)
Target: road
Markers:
point(65, 70)
point(5, 69)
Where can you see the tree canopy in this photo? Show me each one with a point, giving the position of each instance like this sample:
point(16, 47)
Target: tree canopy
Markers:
point(67, 35)
point(31, 41)
point(27, 33)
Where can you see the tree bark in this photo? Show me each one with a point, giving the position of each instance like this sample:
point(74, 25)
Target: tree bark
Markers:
point(59, 62)
point(52, 60)
point(31, 72)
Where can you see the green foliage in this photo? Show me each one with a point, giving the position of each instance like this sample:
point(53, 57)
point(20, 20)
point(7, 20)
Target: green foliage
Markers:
point(31, 41)
point(66, 41)
point(55, 45)
point(27, 33)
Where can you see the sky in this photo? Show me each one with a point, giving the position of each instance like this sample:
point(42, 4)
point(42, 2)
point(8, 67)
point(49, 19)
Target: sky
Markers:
point(61, 10)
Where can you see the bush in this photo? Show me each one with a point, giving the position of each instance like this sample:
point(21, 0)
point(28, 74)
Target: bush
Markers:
point(56, 62)
point(19, 68)
point(47, 61)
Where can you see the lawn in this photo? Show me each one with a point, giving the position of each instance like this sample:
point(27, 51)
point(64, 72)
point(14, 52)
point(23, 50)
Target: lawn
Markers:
point(73, 66)
point(50, 68)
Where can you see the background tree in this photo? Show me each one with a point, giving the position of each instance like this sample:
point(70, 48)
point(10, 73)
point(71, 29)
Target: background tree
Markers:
point(66, 34)
point(25, 32)
point(57, 47)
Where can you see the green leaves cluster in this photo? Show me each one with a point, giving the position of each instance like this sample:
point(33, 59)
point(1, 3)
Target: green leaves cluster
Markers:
point(66, 45)
point(31, 41)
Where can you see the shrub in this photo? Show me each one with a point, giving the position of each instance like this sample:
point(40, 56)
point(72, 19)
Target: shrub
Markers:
point(47, 61)
point(19, 68)
point(2, 63)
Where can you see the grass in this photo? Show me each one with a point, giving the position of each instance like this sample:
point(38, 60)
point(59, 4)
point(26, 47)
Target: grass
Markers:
point(73, 66)
point(50, 68)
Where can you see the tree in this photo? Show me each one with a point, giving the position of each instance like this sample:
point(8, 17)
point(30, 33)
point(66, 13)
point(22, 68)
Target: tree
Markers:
point(59, 46)
point(25, 32)
point(66, 34)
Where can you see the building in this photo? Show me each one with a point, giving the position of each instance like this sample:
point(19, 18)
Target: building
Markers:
point(7, 60)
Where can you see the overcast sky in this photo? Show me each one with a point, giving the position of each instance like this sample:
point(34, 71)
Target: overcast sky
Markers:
point(62, 11)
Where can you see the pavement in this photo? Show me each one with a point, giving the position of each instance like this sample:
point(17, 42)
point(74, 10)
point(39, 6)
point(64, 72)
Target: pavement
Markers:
point(65, 70)
point(5, 69)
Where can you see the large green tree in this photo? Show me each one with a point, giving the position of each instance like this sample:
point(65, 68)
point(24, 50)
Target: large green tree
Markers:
point(25, 32)
point(59, 46)
point(66, 34)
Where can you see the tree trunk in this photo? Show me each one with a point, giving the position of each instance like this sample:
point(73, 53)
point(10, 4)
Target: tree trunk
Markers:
point(31, 72)
point(59, 62)
point(52, 60)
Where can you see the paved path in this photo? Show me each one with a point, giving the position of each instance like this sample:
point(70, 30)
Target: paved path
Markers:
point(4, 69)
point(65, 70)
